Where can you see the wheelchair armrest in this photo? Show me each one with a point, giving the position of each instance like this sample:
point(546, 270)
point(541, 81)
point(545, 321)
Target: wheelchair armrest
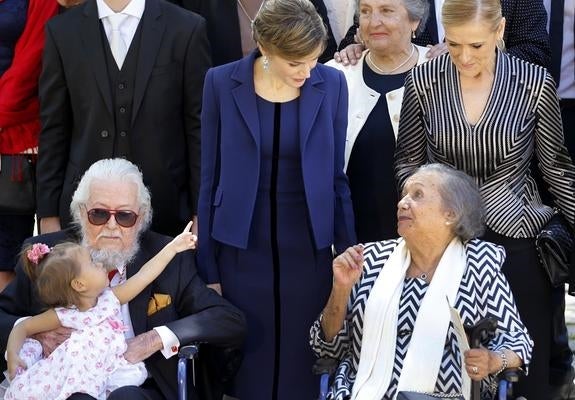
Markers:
point(325, 365)
point(512, 375)
point(189, 352)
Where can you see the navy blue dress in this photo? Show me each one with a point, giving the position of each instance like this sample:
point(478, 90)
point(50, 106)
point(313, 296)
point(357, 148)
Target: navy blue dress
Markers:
point(371, 166)
point(13, 228)
point(12, 21)
point(281, 281)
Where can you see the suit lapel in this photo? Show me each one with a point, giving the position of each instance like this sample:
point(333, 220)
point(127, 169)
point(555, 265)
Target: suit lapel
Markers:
point(94, 51)
point(153, 27)
point(311, 97)
point(244, 95)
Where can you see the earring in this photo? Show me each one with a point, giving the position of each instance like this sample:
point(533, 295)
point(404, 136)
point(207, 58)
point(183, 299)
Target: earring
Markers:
point(413, 34)
point(447, 223)
point(501, 44)
point(266, 63)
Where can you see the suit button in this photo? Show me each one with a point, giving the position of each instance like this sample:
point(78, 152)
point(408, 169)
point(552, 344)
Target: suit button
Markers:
point(121, 86)
point(122, 110)
point(123, 133)
point(104, 134)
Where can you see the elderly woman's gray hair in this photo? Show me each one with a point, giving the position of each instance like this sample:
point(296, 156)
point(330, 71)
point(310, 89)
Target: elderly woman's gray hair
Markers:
point(112, 170)
point(460, 194)
point(417, 10)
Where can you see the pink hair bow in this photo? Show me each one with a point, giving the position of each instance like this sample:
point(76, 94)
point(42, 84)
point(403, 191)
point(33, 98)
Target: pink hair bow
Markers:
point(37, 252)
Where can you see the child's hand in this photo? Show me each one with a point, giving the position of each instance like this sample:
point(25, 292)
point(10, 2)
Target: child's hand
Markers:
point(185, 240)
point(15, 366)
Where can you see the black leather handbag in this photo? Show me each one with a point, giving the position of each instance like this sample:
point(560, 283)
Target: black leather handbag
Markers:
point(427, 396)
point(555, 244)
point(17, 184)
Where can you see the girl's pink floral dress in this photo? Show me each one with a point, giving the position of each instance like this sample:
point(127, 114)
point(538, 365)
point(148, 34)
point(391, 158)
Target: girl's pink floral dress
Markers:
point(91, 361)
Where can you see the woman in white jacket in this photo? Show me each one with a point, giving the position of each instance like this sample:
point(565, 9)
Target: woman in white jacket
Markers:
point(375, 86)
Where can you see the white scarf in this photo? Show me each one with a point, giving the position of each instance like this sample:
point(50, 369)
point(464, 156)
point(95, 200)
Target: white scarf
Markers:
point(423, 359)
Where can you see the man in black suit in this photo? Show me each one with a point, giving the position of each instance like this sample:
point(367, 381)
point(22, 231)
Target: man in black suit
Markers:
point(225, 19)
point(525, 33)
point(561, 35)
point(134, 92)
point(175, 310)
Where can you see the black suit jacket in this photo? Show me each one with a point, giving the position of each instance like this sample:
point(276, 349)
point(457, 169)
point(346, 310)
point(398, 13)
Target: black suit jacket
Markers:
point(196, 314)
point(224, 28)
point(78, 126)
point(525, 31)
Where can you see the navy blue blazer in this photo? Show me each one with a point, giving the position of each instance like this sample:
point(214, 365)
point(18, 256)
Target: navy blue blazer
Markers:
point(230, 163)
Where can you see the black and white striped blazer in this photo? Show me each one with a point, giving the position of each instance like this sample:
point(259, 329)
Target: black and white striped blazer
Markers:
point(521, 119)
point(483, 292)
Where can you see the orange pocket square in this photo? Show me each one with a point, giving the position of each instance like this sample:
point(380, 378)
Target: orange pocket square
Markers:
point(157, 302)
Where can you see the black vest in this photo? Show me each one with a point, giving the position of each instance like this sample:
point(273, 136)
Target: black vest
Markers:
point(122, 89)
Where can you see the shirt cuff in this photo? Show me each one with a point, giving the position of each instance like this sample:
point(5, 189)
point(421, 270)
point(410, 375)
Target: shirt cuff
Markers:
point(169, 340)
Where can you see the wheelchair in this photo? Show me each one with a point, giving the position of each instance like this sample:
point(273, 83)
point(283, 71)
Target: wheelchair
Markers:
point(480, 332)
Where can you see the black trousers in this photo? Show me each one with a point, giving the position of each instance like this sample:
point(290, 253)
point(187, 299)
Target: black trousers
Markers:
point(532, 291)
point(561, 369)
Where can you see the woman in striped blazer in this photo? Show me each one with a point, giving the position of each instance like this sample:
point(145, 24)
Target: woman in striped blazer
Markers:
point(495, 117)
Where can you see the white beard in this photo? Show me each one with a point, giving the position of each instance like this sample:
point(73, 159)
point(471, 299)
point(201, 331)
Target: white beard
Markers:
point(113, 259)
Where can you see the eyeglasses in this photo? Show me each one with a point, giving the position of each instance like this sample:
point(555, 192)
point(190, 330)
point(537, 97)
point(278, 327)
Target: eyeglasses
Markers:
point(99, 216)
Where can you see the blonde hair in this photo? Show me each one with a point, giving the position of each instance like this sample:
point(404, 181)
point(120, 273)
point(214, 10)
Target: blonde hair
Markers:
point(290, 28)
point(457, 12)
point(53, 274)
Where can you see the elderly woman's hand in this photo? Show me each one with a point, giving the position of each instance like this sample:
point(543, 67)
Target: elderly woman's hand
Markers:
point(481, 362)
point(436, 50)
point(348, 266)
point(350, 55)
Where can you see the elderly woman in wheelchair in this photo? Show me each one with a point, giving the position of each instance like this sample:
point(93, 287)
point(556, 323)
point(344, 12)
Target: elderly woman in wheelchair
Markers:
point(395, 316)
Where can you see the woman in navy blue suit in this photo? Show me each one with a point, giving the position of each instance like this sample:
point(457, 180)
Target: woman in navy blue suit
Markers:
point(274, 199)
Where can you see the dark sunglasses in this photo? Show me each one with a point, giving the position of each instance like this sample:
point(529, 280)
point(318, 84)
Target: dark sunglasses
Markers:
point(99, 216)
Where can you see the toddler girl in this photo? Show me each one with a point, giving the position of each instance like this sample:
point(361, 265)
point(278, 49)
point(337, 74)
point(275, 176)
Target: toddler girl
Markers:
point(91, 361)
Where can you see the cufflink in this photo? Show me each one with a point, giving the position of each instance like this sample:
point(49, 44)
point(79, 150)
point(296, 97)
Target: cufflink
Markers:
point(174, 349)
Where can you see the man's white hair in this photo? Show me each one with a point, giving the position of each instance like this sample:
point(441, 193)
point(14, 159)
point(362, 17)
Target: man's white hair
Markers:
point(112, 170)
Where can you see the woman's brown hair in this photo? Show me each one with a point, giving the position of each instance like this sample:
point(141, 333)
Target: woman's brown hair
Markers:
point(290, 28)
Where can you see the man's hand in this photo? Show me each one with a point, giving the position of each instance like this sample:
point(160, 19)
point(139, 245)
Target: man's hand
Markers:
point(50, 224)
point(143, 346)
point(216, 286)
point(350, 55)
point(436, 50)
point(69, 3)
point(52, 339)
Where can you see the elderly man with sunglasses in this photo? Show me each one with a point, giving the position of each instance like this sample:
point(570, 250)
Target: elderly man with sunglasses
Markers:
point(112, 212)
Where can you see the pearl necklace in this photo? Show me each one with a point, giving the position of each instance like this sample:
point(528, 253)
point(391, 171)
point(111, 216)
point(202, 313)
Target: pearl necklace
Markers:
point(393, 70)
point(246, 12)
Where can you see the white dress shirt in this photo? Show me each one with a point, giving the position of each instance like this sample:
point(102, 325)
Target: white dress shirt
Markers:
point(566, 89)
point(440, 30)
point(133, 12)
point(169, 339)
